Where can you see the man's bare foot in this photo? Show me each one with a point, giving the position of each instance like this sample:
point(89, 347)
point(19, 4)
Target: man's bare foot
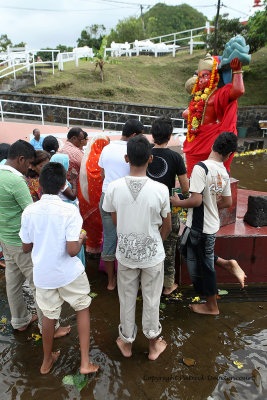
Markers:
point(46, 366)
point(125, 348)
point(112, 284)
point(34, 318)
point(237, 271)
point(204, 309)
point(90, 368)
point(156, 347)
point(62, 331)
point(169, 290)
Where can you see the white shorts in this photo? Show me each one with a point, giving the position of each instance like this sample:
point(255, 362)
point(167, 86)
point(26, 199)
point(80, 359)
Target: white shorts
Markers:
point(75, 293)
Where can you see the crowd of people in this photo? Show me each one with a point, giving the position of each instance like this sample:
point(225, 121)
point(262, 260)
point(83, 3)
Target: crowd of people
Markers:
point(112, 199)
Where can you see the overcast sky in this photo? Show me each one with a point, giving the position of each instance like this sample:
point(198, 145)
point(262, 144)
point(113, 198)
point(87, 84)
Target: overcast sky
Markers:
point(47, 23)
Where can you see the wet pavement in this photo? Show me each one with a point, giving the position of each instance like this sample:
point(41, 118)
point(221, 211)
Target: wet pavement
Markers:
point(239, 333)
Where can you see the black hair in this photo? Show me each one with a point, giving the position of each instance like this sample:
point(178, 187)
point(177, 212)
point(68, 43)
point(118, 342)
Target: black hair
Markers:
point(52, 177)
point(4, 149)
point(21, 148)
point(74, 132)
point(161, 130)
point(138, 150)
point(35, 129)
point(50, 144)
point(132, 126)
point(225, 143)
point(40, 156)
point(85, 135)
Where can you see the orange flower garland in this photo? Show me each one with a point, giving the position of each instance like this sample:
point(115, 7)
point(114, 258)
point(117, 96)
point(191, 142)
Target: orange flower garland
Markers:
point(198, 103)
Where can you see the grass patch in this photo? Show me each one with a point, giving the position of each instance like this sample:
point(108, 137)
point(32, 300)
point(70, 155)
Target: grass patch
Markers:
point(146, 80)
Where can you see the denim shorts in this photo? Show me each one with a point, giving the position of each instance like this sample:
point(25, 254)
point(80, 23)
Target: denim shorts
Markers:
point(110, 234)
point(200, 262)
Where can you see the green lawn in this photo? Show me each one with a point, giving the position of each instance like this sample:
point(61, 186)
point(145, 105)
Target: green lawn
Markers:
point(146, 80)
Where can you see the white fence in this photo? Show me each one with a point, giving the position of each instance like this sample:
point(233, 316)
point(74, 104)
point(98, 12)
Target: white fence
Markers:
point(103, 120)
point(167, 43)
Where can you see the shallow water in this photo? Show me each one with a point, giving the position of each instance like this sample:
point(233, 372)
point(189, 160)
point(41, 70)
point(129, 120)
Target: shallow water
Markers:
point(238, 333)
point(251, 171)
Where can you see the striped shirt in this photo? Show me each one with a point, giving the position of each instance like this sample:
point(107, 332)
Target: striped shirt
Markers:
point(14, 198)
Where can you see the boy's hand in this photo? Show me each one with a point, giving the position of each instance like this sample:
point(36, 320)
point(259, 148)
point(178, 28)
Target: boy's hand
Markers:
point(83, 236)
point(175, 200)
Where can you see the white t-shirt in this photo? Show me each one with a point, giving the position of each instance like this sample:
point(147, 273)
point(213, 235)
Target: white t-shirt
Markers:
point(113, 162)
point(205, 218)
point(140, 204)
point(49, 224)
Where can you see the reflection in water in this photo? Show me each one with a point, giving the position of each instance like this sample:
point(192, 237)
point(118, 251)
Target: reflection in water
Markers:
point(251, 172)
point(238, 333)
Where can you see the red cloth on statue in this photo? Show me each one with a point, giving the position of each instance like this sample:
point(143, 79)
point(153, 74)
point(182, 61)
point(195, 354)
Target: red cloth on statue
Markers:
point(199, 149)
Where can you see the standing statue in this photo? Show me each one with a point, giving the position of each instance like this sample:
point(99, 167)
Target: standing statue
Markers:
point(213, 107)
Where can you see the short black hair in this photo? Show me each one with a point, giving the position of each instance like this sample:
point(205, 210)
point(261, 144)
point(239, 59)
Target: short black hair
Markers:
point(225, 143)
point(138, 150)
point(132, 126)
point(35, 129)
point(40, 156)
point(52, 177)
point(50, 144)
point(85, 135)
point(74, 132)
point(21, 148)
point(4, 149)
point(161, 130)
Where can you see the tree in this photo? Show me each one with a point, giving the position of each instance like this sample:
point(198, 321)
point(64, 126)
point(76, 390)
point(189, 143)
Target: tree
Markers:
point(127, 30)
point(20, 44)
point(4, 42)
point(257, 31)
point(100, 58)
point(91, 36)
point(227, 28)
point(63, 49)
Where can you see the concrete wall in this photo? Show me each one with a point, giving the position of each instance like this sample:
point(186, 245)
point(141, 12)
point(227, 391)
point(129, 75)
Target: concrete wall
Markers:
point(247, 116)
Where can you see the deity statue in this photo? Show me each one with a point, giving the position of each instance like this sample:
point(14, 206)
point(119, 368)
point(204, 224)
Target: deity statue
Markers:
point(213, 107)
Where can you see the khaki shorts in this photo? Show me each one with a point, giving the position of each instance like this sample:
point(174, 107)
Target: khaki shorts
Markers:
point(75, 293)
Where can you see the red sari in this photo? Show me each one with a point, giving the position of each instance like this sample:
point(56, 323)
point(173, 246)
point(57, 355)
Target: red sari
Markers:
point(199, 149)
point(89, 192)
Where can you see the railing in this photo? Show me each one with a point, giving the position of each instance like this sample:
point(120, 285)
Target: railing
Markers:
point(102, 121)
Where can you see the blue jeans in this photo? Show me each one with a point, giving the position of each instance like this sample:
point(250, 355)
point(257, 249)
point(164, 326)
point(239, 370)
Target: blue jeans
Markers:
point(200, 262)
point(110, 233)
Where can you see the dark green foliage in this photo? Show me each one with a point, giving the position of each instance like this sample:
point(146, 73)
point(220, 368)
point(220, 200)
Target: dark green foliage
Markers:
point(92, 36)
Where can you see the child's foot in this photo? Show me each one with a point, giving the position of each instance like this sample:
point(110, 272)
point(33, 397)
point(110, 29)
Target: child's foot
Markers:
point(90, 368)
point(23, 328)
point(204, 309)
point(156, 347)
point(62, 331)
point(47, 366)
point(169, 290)
point(237, 271)
point(112, 284)
point(125, 348)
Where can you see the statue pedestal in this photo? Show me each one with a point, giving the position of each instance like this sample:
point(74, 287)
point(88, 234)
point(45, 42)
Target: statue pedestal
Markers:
point(228, 215)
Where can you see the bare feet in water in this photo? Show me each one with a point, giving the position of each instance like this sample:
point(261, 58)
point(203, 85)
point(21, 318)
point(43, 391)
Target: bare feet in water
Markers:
point(125, 348)
point(169, 290)
point(34, 318)
point(156, 347)
point(237, 271)
point(47, 366)
point(62, 331)
point(204, 309)
point(112, 285)
point(90, 368)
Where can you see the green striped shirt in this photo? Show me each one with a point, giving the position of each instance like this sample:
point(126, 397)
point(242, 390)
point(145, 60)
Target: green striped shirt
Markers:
point(14, 197)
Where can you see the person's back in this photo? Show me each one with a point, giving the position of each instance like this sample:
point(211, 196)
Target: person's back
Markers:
point(139, 202)
point(51, 223)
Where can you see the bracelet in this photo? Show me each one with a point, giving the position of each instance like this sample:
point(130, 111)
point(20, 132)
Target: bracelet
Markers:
point(238, 72)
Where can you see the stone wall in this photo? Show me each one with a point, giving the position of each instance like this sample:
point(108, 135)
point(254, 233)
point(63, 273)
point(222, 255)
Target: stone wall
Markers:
point(247, 116)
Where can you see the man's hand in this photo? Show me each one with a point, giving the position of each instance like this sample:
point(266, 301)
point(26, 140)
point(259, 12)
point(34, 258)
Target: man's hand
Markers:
point(235, 64)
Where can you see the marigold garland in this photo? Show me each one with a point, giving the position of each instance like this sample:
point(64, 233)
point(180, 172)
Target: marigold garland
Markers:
point(198, 102)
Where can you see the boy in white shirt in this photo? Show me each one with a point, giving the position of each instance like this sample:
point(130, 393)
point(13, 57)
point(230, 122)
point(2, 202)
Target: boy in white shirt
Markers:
point(140, 209)
point(210, 190)
point(51, 229)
